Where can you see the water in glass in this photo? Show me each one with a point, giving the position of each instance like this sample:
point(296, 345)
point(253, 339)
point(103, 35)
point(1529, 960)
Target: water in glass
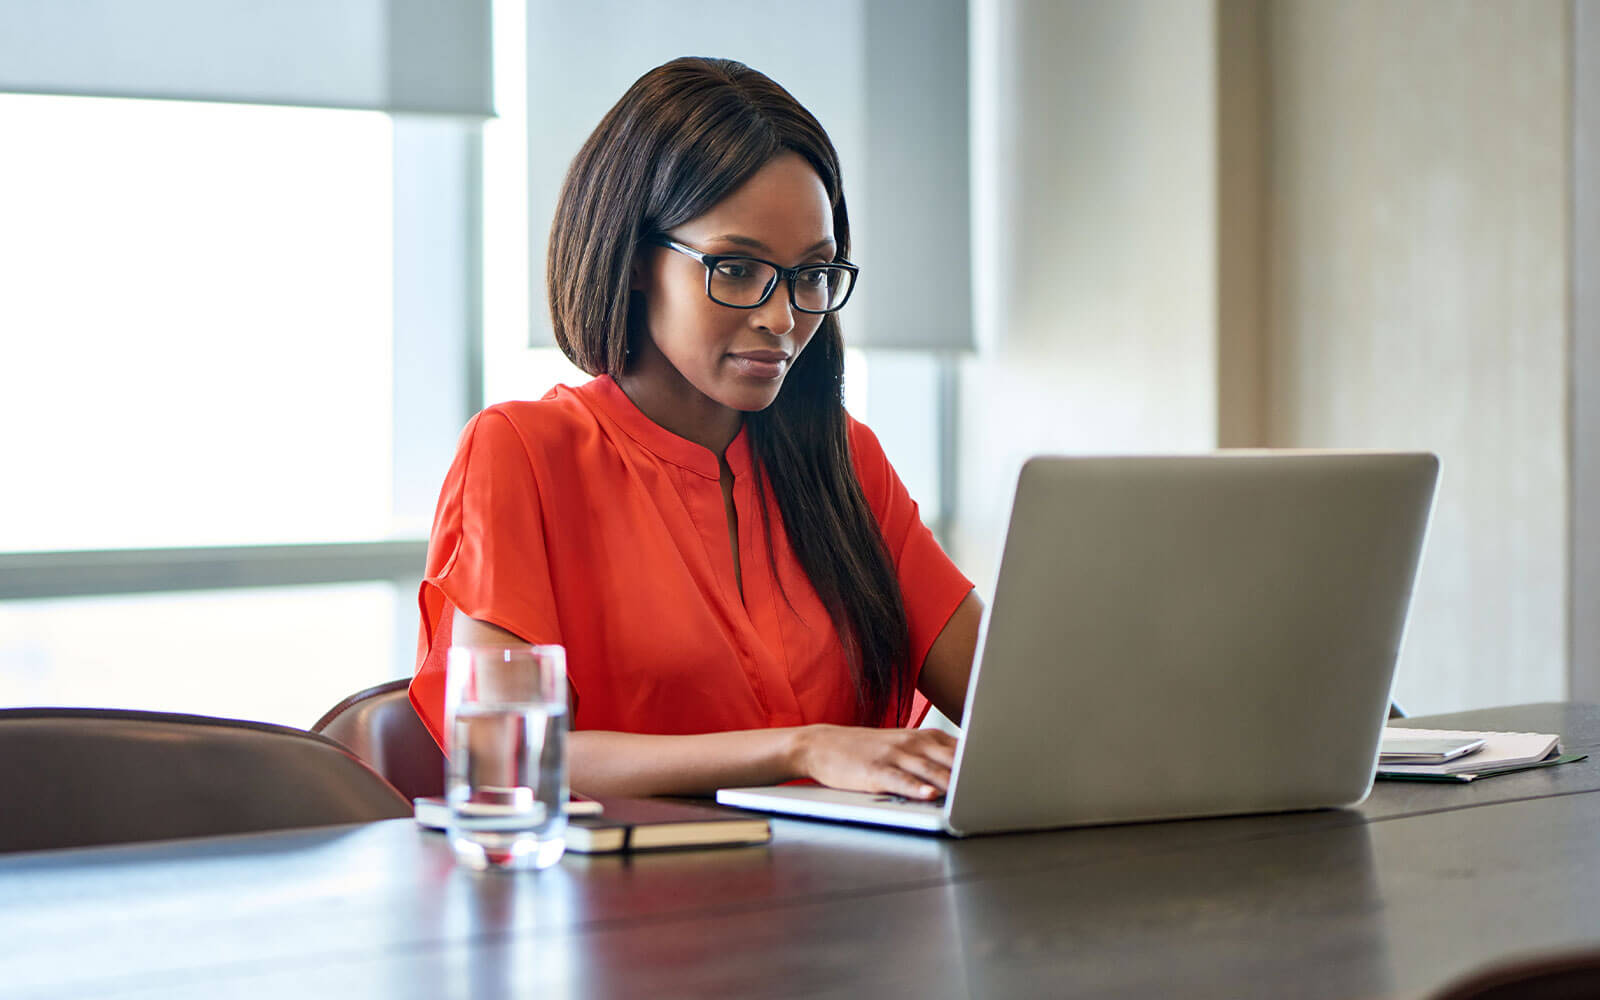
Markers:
point(507, 785)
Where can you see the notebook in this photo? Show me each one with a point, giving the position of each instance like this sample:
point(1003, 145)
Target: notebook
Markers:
point(1176, 637)
point(1501, 753)
point(655, 824)
point(622, 824)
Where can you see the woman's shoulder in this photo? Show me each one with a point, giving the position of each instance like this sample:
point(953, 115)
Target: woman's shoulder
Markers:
point(560, 417)
point(865, 449)
point(873, 471)
point(861, 436)
point(556, 436)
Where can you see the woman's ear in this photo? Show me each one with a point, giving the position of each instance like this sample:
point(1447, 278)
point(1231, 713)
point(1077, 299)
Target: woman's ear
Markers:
point(636, 274)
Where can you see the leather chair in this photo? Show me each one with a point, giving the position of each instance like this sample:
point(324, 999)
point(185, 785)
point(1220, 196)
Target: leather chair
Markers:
point(75, 777)
point(380, 726)
point(1565, 976)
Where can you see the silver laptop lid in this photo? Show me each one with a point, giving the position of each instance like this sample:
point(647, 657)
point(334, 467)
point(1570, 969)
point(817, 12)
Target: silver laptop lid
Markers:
point(1190, 636)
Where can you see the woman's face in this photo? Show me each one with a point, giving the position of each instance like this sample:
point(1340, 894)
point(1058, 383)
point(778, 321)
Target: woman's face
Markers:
point(737, 358)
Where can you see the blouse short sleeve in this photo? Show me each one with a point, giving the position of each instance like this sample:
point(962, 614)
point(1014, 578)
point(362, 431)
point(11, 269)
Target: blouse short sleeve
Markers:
point(930, 584)
point(486, 554)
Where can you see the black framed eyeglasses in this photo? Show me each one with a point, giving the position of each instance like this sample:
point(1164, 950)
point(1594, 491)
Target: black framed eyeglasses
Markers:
point(741, 282)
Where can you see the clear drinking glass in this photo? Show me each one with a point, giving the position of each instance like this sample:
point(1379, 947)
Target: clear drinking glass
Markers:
point(506, 780)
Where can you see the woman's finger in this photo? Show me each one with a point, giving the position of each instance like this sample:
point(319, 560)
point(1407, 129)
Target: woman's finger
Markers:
point(929, 771)
point(941, 750)
point(928, 743)
point(900, 782)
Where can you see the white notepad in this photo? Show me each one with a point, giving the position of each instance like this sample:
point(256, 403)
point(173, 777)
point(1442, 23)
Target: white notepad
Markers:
point(1500, 751)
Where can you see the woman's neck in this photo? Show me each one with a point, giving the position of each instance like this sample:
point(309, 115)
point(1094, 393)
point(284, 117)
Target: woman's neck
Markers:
point(670, 401)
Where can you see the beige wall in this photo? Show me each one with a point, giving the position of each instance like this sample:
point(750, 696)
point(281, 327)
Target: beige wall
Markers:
point(1094, 236)
point(1417, 297)
point(1380, 260)
point(1584, 668)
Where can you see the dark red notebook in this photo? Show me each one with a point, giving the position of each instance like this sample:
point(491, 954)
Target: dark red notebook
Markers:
point(653, 824)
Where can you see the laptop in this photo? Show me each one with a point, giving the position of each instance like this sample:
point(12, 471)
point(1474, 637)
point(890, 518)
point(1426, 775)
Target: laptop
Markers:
point(1176, 637)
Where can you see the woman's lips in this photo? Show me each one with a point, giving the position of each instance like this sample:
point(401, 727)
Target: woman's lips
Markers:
point(760, 364)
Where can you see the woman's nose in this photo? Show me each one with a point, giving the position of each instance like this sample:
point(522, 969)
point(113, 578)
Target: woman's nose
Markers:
point(776, 315)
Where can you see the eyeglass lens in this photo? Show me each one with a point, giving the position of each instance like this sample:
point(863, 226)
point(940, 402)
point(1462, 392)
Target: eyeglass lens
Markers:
point(745, 282)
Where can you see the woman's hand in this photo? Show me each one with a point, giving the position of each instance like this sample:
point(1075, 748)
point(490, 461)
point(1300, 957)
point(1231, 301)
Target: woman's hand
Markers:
point(914, 763)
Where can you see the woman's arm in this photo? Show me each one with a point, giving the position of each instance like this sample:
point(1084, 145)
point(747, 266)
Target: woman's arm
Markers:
point(948, 665)
point(911, 762)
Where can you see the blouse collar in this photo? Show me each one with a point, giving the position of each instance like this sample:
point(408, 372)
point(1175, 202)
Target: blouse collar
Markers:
point(664, 444)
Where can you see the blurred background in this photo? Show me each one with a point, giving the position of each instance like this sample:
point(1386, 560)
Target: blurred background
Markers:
point(260, 262)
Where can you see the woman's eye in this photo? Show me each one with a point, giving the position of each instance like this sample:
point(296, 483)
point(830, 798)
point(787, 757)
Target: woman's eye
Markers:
point(738, 270)
point(814, 279)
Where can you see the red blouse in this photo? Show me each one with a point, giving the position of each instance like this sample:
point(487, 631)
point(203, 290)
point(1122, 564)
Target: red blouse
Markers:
point(577, 520)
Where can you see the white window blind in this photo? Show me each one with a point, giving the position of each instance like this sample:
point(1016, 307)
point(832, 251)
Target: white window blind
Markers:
point(428, 56)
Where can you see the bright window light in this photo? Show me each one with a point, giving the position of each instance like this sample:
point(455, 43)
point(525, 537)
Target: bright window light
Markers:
point(283, 654)
point(195, 306)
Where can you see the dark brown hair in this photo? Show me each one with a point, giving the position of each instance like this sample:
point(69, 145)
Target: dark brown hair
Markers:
point(683, 137)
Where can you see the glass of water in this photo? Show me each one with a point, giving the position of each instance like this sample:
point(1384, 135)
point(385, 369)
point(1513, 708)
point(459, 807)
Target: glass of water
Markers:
point(506, 780)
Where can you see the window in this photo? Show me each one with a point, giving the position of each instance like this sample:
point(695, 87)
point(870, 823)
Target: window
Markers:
point(197, 323)
point(283, 654)
point(195, 301)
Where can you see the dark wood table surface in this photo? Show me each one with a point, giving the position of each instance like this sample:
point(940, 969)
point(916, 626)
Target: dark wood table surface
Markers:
point(1420, 884)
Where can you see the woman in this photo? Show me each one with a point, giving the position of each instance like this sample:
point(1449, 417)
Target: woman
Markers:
point(743, 586)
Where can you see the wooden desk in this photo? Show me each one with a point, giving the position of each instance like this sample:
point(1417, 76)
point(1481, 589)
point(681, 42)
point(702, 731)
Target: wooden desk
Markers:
point(1420, 884)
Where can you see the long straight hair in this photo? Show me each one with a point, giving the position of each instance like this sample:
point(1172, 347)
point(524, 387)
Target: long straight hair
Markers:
point(683, 137)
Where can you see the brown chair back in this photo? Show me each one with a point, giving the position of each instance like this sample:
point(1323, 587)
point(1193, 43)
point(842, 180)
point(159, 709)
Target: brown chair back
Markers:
point(1567, 976)
point(75, 777)
point(380, 726)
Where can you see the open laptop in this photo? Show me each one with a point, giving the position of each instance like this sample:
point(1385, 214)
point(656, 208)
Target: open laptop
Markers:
point(1176, 637)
